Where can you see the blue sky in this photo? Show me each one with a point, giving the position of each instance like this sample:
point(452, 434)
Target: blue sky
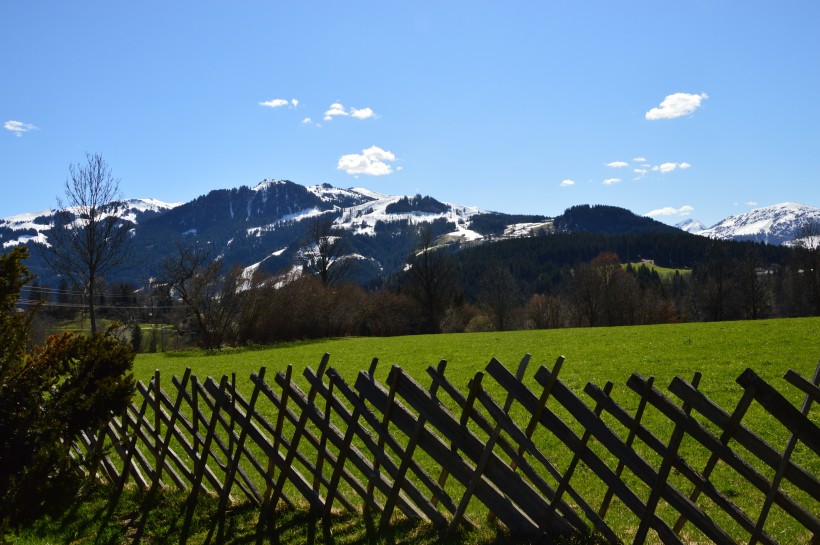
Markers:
point(697, 109)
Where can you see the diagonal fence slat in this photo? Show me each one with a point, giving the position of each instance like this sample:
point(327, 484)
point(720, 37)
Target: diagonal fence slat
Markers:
point(360, 447)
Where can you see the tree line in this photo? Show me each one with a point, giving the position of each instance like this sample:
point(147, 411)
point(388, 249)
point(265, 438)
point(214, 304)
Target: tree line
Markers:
point(201, 300)
point(562, 279)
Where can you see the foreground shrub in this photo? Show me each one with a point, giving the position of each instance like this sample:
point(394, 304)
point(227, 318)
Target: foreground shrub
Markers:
point(48, 396)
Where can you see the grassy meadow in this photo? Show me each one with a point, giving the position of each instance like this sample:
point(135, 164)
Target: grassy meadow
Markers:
point(720, 351)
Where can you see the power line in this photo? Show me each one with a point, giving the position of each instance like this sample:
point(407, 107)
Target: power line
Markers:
point(39, 302)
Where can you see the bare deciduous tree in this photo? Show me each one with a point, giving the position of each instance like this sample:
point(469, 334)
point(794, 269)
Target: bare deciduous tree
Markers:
point(432, 278)
point(89, 239)
point(214, 298)
point(325, 251)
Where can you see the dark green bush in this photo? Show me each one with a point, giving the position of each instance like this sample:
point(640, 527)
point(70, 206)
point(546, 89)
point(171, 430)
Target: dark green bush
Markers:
point(49, 395)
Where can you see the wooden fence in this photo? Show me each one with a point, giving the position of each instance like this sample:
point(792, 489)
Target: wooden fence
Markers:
point(449, 456)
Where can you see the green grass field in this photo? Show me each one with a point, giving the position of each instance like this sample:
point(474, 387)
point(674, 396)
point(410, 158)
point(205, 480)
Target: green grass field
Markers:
point(721, 351)
point(664, 272)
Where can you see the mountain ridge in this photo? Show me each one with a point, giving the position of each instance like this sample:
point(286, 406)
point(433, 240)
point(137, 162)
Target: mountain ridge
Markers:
point(266, 226)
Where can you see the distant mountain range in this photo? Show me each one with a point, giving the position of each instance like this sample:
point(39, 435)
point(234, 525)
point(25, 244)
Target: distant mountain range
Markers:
point(776, 224)
point(267, 226)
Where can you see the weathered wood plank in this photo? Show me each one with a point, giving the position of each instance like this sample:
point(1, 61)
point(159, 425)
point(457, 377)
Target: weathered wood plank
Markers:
point(779, 407)
point(647, 437)
point(309, 410)
point(811, 390)
point(695, 430)
point(745, 437)
point(289, 415)
point(506, 511)
point(758, 532)
point(624, 453)
point(503, 477)
point(416, 502)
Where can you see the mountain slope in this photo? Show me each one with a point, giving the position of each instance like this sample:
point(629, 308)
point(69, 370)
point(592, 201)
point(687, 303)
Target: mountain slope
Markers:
point(34, 227)
point(607, 220)
point(777, 224)
point(691, 226)
point(267, 227)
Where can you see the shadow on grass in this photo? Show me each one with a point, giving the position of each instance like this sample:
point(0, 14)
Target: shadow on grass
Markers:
point(167, 517)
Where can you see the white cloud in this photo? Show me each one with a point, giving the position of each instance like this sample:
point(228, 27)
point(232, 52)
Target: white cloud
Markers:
point(364, 113)
point(373, 161)
point(279, 102)
point(639, 160)
point(307, 120)
point(684, 166)
point(612, 181)
point(567, 183)
point(338, 110)
point(671, 211)
point(18, 127)
point(751, 203)
point(676, 105)
point(666, 168)
point(640, 171)
point(617, 164)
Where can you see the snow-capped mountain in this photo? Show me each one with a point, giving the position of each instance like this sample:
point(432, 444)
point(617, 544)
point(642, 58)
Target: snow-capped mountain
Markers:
point(777, 224)
point(691, 226)
point(267, 226)
point(33, 227)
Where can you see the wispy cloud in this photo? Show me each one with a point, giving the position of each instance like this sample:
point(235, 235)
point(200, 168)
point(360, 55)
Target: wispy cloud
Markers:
point(612, 181)
point(338, 110)
point(676, 105)
point(372, 161)
point(567, 183)
point(666, 168)
point(617, 164)
point(671, 211)
point(639, 160)
point(280, 102)
point(18, 127)
point(751, 203)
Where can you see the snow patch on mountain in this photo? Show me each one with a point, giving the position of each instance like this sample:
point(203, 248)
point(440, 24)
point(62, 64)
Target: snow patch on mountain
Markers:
point(691, 226)
point(26, 220)
point(134, 207)
point(518, 230)
point(777, 224)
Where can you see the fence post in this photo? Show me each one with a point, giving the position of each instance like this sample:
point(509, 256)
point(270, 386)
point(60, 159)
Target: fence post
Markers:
point(764, 512)
point(564, 484)
point(195, 411)
point(519, 374)
point(233, 461)
point(542, 404)
point(725, 437)
point(629, 440)
point(407, 458)
point(663, 473)
point(297, 435)
point(391, 396)
point(166, 443)
point(157, 424)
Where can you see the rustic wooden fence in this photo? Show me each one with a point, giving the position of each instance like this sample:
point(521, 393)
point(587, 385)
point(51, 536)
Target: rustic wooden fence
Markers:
point(442, 454)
